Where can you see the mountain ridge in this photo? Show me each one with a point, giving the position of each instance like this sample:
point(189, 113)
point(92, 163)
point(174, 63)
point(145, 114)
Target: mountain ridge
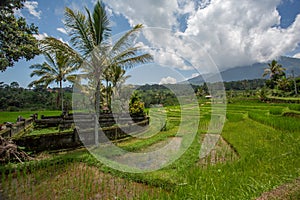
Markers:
point(249, 72)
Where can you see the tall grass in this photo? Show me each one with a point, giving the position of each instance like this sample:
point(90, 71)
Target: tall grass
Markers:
point(70, 180)
point(294, 107)
point(283, 123)
point(267, 144)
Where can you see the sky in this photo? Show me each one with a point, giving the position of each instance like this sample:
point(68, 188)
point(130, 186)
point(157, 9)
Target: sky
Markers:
point(186, 37)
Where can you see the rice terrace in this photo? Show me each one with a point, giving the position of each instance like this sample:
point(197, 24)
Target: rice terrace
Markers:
point(205, 129)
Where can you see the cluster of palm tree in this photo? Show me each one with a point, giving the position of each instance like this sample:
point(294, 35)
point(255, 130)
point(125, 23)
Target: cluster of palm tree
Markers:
point(278, 80)
point(93, 56)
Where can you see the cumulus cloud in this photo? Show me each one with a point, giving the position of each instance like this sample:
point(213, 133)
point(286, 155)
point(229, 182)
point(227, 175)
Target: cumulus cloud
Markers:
point(231, 33)
point(168, 80)
point(242, 33)
point(62, 30)
point(32, 6)
point(151, 13)
point(297, 55)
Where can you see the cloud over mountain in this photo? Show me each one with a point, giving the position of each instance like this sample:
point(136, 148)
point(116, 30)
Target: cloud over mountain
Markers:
point(233, 33)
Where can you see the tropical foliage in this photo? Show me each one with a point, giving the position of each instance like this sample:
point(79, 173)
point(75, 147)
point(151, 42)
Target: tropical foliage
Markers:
point(136, 107)
point(16, 98)
point(279, 84)
point(16, 36)
point(58, 67)
point(91, 36)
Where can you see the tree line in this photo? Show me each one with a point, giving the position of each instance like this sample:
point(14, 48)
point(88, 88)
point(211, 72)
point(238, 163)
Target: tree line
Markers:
point(16, 98)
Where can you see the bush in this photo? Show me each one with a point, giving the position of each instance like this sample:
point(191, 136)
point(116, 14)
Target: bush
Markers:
point(136, 106)
point(12, 109)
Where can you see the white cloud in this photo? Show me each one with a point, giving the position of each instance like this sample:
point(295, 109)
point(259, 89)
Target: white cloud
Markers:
point(232, 33)
point(168, 80)
point(297, 55)
point(41, 36)
point(151, 13)
point(62, 40)
point(62, 30)
point(195, 75)
point(31, 6)
point(242, 33)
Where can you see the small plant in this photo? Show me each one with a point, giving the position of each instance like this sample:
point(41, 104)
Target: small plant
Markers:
point(136, 106)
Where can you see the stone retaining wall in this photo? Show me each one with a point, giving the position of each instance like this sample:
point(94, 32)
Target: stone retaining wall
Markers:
point(77, 137)
point(17, 129)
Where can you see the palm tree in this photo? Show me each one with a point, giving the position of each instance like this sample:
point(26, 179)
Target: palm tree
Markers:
point(58, 67)
point(274, 70)
point(118, 78)
point(114, 77)
point(107, 74)
point(91, 35)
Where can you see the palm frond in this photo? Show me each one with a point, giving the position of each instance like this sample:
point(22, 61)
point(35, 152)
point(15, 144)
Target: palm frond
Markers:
point(129, 52)
point(50, 60)
point(101, 23)
point(132, 61)
point(78, 29)
point(92, 31)
point(126, 40)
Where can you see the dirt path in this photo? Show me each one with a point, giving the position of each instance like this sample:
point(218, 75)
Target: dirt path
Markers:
point(221, 153)
point(289, 191)
point(153, 156)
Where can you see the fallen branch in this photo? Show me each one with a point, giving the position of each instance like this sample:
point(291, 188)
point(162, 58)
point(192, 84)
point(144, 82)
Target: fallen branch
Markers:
point(9, 152)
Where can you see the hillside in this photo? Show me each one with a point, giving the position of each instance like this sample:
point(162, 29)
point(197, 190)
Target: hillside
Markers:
point(254, 71)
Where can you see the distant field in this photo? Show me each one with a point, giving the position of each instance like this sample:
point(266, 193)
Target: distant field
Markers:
point(12, 116)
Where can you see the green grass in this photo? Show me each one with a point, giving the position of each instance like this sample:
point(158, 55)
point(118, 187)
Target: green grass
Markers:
point(12, 116)
point(47, 131)
point(266, 141)
point(294, 107)
point(284, 123)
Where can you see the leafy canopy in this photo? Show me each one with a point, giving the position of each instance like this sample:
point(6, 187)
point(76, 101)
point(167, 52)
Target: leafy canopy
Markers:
point(16, 36)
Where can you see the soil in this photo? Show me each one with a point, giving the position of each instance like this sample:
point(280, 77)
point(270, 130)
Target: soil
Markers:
point(289, 191)
point(223, 152)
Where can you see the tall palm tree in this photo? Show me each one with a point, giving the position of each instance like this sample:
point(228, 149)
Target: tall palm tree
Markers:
point(118, 78)
point(114, 78)
point(91, 35)
point(274, 70)
point(58, 67)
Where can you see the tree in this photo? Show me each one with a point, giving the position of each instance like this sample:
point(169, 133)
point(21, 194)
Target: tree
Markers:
point(114, 77)
point(14, 84)
point(294, 82)
point(284, 84)
point(275, 71)
point(16, 36)
point(136, 106)
point(117, 79)
point(91, 35)
point(58, 67)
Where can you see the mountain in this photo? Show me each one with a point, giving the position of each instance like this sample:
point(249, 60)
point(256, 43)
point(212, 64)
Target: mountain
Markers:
point(250, 72)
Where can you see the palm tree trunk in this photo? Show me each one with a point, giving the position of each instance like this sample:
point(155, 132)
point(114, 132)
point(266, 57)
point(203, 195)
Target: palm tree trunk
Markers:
point(107, 104)
point(97, 108)
point(61, 96)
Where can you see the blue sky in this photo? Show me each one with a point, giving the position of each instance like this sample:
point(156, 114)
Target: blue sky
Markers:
point(224, 33)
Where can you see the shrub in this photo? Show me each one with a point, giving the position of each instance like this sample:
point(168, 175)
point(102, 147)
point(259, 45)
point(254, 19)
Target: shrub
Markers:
point(136, 106)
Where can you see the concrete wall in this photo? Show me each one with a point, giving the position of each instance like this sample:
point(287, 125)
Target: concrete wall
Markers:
point(17, 129)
